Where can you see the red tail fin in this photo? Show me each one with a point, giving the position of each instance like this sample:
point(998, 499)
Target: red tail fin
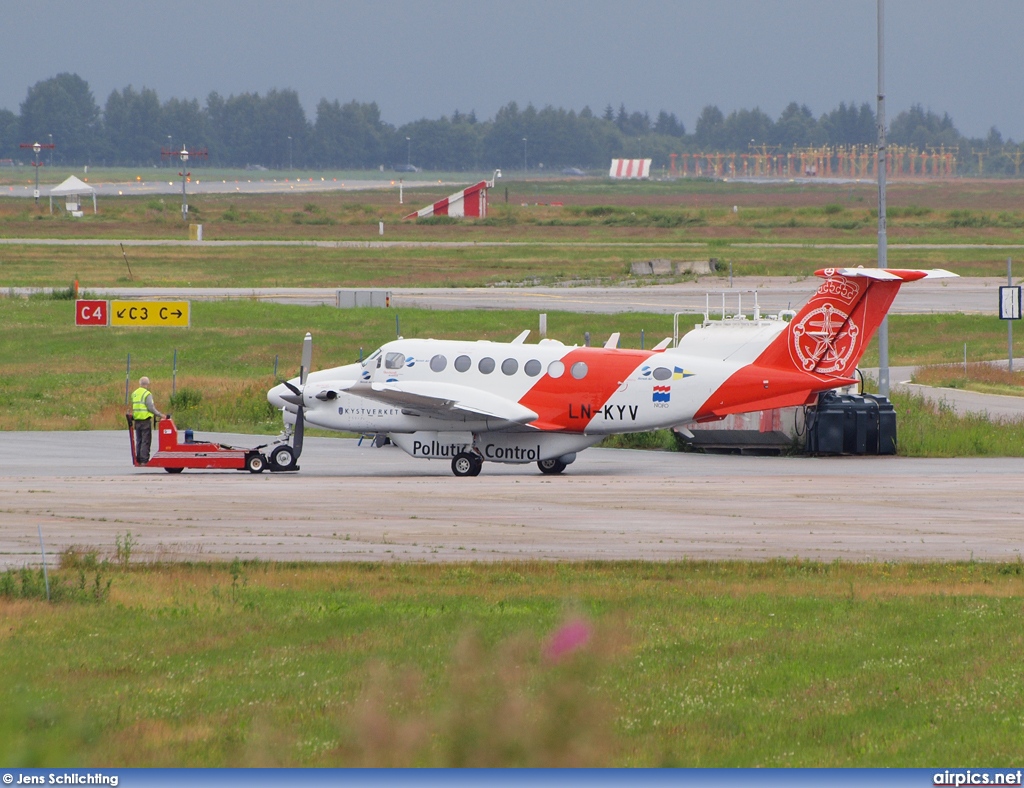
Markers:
point(820, 348)
point(830, 333)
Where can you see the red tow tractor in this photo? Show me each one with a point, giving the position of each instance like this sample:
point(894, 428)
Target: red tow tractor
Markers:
point(174, 456)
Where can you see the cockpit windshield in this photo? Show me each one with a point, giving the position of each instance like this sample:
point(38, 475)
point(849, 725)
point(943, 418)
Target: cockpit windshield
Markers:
point(373, 360)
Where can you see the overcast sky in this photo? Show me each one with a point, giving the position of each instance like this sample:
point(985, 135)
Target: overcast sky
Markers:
point(426, 58)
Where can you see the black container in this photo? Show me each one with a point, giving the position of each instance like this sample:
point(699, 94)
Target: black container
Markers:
point(851, 424)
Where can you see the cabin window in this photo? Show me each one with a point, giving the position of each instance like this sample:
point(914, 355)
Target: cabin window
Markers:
point(438, 363)
point(510, 366)
point(662, 373)
point(532, 367)
point(463, 363)
point(556, 369)
point(578, 370)
point(486, 365)
point(394, 361)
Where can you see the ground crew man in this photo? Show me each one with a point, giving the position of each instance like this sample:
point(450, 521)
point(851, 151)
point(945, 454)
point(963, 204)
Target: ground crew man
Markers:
point(143, 411)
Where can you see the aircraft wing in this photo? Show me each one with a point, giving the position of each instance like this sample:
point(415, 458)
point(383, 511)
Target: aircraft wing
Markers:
point(446, 400)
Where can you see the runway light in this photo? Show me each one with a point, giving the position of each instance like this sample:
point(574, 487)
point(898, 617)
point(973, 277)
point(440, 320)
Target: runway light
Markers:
point(119, 192)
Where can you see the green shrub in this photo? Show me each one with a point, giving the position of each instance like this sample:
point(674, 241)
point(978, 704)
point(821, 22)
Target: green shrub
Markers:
point(27, 583)
point(964, 218)
point(186, 399)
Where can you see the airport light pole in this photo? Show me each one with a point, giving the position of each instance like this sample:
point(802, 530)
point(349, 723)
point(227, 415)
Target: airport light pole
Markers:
point(524, 155)
point(169, 149)
point(184, 175)
point(36, 147)
point(51, 148)
point(408, 152)
point(883, 329)
point(289, 153)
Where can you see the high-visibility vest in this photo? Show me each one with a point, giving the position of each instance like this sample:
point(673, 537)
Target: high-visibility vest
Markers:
point(139, 409)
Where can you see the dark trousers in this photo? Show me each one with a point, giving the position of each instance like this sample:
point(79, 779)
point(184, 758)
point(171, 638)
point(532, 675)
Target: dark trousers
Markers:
point(143, 439)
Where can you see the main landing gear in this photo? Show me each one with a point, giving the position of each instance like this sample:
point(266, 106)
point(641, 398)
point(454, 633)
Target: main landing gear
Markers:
point(467, 464)
point(551, 467)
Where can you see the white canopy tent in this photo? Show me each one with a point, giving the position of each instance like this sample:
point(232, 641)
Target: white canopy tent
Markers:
point(72, 190)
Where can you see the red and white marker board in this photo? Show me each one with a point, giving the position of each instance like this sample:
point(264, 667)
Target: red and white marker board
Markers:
point(471, 201)
point(630, 168)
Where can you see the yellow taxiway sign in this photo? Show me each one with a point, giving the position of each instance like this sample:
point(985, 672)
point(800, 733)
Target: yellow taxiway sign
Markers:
point(150, 313)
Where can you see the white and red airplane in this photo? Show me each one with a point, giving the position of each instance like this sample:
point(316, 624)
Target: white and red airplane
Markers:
point(471, 402)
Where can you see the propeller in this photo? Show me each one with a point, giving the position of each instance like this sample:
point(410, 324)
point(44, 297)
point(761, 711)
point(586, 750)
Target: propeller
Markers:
point(307, 360)
point(295, 397)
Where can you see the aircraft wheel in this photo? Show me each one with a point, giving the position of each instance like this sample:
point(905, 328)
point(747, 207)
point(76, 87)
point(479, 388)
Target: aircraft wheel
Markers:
point(174, 470)
point(551, 467)
point(256, 463)
point(466, 464)
point(282, 458)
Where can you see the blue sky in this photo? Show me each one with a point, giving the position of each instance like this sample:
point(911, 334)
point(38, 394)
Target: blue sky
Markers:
point(426, 59)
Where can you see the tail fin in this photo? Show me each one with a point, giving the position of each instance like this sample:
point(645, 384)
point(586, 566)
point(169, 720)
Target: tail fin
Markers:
point(830, 333)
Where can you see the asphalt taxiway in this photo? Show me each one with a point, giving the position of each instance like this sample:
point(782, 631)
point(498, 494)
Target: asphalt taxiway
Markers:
point(351, 502)
point(974, 295)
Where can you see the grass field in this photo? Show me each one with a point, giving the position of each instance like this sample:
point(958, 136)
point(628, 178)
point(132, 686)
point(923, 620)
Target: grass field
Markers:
point(632, 664)
point(540, 263)
point(562, 231)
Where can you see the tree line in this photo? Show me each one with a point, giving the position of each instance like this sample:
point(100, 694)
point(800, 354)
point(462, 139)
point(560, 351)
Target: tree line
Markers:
point(272, 130)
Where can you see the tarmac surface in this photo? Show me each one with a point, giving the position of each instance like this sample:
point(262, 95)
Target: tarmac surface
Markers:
point(351, 502)
point(168, 181)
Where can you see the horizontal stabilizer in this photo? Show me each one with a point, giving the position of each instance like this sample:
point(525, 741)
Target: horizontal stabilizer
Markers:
point(889, 274)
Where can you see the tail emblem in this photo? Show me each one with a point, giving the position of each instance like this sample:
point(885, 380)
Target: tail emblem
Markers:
point(824, 340)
